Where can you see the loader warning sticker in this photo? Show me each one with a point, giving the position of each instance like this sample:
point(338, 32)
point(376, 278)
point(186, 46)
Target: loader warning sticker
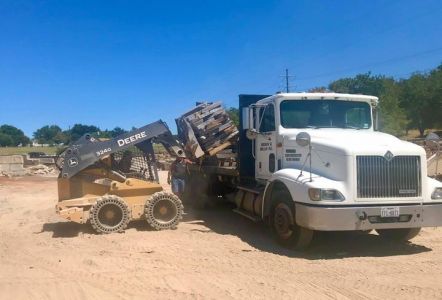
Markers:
point(291, 155)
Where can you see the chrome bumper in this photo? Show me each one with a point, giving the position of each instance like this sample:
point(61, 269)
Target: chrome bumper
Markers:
point(335, 218)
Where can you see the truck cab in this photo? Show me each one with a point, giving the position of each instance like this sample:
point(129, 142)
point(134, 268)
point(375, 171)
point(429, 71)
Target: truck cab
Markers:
point(323, 166)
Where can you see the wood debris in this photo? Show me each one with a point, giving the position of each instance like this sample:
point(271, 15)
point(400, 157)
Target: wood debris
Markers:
point(207, 130)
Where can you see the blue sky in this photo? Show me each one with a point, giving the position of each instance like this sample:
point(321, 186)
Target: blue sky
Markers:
point(128, 63)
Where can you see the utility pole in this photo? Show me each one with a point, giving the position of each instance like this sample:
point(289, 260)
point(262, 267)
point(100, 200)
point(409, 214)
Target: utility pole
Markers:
point(287, 80)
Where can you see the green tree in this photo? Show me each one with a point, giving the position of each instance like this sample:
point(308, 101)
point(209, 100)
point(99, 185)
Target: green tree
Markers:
point(78, 130)
point(17, 135)
point(318, 89)
point(108, 134)
point(117, 131)
point(361, 84)
point(49, 135)
point(421, 98)
point(6, 140)
point(234, 115)
point(392, 117)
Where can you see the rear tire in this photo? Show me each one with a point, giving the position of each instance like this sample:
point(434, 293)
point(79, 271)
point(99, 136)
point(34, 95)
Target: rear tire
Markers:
point(402, 234)
point(283, 223)
point(109, 214)
point(163, 211)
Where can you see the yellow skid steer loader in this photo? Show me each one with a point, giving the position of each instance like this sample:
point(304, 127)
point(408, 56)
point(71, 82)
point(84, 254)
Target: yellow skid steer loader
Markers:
point(109, 183)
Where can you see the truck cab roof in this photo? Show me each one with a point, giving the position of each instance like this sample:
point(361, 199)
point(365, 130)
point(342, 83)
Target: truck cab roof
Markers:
point(321, 96)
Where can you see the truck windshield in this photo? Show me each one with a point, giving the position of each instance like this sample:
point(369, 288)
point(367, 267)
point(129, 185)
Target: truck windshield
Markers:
point(325, 114)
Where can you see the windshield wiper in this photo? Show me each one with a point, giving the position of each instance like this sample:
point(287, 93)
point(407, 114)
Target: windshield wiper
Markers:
point(317, 127)
point(345, 127)
point(352, 127)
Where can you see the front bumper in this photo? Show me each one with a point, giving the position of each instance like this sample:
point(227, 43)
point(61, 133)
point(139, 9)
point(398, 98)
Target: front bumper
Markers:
point(336, 218)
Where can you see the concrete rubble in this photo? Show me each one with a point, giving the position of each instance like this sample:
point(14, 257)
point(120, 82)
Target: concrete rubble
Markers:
point(16, 166)
point(12, 165)
point(40, 170)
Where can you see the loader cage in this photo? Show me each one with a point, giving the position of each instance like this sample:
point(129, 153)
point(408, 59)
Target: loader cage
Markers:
point(136, 162)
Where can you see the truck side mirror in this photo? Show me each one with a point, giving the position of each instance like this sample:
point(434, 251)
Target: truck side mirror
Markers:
point(251, 134)
point(247, 118)
point(375, 118)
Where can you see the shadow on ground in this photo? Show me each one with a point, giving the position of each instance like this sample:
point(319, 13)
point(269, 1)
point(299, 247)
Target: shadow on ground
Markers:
point(72, 229)
point(326, 245)
point(221, 220)
point(66, 229)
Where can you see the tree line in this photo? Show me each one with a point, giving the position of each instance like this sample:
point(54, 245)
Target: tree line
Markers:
point(411, 103)
point(53, 134)
point(404, 104)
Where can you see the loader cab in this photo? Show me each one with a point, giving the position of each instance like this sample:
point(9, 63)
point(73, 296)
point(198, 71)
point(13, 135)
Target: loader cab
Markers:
point(135, 163)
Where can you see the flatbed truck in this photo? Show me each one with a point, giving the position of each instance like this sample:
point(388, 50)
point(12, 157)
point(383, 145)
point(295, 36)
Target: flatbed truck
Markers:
point(309, 162)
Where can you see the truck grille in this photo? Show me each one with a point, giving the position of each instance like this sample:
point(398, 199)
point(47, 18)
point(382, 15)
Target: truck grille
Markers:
point(379, 178)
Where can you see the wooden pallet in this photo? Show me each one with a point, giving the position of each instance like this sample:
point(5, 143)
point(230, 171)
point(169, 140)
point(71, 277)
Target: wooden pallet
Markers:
point(206, 130)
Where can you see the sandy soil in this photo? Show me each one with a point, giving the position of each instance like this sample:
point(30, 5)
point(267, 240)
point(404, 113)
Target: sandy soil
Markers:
point(212, 254)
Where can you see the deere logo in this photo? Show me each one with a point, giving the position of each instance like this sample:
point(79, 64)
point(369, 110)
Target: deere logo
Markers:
point(388, 156)
point(72, 162)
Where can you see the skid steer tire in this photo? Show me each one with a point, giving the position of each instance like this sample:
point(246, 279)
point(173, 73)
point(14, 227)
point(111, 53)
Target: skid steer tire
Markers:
point(109, 214)
point(163, 211)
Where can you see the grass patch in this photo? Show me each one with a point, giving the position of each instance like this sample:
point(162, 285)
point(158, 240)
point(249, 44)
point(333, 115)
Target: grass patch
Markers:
point(25, 150)
point(414, 133)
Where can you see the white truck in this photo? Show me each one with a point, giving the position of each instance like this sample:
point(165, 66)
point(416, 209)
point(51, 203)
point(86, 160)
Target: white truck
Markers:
point(314, 162)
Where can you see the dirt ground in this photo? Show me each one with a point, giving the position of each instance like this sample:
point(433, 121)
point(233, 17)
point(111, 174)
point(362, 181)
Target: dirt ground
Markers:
point(212, 254)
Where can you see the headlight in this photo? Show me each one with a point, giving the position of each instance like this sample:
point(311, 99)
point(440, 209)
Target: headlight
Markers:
point(437, 194)
point(325, 194)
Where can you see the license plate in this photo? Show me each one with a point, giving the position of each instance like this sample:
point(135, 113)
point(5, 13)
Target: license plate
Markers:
point(387, 212)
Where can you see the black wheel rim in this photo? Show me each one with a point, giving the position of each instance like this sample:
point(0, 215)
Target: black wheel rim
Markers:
point(283, 221)
point(164, 211)
point(110, 215)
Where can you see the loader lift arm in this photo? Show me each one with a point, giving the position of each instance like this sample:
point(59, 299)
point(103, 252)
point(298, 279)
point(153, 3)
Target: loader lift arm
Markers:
point(87, 150)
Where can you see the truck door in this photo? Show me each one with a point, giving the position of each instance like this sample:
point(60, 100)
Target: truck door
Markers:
point(265, 147)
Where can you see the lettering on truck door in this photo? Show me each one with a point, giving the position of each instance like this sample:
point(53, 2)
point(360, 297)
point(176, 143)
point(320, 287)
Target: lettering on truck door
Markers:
point(265, 163)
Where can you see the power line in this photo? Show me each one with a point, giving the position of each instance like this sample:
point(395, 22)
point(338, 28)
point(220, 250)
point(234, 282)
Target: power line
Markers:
point(391, 75)
point(383, 62)
point(364, 40)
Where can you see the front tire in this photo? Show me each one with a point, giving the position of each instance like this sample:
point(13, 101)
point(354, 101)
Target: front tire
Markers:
point(163, 211)
point(401, 234)
point(109, 214)
point(284, 227)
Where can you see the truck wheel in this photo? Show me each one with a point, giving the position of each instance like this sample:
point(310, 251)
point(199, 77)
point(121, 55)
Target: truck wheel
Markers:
point(199, 197)
point(188, 194)
point(163, 211)
point(284, 226)
point(109, 214)
point(195, 193)
point(401, 234)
